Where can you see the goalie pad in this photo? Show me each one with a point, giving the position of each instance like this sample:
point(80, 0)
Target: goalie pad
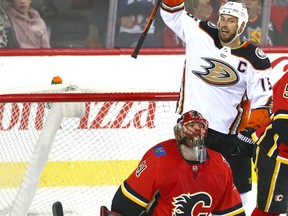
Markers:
point(105, 212)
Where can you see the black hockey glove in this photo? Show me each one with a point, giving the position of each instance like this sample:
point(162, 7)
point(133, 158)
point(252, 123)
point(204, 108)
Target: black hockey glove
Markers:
point(105, 212)
point(244, 143)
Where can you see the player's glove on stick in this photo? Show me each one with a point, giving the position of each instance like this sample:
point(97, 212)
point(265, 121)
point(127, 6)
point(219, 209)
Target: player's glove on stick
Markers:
point(244, 143)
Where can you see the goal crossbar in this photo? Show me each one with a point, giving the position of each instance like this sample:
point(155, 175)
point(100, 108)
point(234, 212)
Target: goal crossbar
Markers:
point(89, 97)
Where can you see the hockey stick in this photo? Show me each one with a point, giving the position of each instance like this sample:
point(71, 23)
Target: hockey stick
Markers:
point(146, 29)
point(57, 209)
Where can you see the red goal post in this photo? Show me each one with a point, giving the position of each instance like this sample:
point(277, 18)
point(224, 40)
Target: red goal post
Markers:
point(75, 147)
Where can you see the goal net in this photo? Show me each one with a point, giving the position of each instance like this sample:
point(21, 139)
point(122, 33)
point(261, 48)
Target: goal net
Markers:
point(75, 145)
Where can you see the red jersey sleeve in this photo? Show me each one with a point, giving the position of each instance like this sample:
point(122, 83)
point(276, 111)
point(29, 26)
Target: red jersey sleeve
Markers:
point(141, 184)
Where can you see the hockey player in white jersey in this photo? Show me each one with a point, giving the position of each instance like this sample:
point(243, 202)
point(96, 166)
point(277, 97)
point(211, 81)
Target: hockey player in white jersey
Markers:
point(220, 73)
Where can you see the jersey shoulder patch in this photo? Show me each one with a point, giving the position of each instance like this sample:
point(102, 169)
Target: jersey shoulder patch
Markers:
point(159, 150)
point(260, 54)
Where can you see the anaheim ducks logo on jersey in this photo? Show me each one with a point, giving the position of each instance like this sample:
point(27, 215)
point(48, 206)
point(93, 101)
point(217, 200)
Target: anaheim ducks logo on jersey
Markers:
point(217, 73)
point(194, 204)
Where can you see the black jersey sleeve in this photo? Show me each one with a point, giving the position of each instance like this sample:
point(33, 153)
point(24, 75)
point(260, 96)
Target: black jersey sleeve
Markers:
point(124, 206)
point(212, 30)
point(257, 58)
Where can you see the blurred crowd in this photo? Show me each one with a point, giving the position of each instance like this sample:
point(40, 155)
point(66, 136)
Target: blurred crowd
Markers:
point(119, 23)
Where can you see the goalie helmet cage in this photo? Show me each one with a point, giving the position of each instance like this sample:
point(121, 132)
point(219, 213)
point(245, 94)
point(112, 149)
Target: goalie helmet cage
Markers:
point(75, 147)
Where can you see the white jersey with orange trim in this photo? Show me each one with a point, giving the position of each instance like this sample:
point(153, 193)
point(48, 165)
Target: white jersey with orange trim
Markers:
point(216, 79)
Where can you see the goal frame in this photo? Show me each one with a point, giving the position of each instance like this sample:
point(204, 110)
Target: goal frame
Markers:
point(88, 97)
point(57, 98)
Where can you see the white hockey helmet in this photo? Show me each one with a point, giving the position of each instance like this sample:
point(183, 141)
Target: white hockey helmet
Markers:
point(238, 10)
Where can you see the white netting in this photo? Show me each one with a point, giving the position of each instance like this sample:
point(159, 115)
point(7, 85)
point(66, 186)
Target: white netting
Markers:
point(89, 157)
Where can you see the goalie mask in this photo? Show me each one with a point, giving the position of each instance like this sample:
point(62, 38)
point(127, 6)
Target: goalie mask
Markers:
point(190, 132)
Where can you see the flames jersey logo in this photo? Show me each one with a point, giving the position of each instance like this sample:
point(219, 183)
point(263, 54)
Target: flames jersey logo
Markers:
point(192, 204)
point(217, 73)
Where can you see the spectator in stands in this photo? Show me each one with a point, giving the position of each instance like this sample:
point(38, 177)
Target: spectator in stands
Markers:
point(284, 33)
point(216, 6)
point(7, 34)
point(278, 14)
point(133, 15)
point(30, 28)
point(204, 9)
point(253, 29)
point(98, 24)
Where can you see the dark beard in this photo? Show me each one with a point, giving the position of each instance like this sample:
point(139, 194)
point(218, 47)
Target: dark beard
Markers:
point(228, 39)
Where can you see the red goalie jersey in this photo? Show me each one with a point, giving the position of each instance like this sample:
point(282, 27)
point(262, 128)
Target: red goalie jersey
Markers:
point(164, 183)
